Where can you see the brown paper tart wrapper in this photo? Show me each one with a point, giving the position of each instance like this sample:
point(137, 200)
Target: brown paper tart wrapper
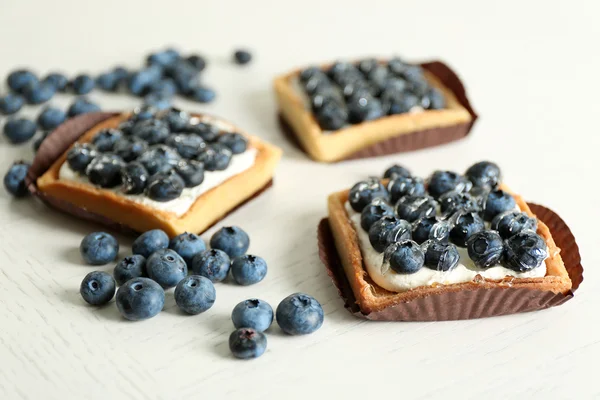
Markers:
point(56, 144)
point(466, 304)
point(418, 139)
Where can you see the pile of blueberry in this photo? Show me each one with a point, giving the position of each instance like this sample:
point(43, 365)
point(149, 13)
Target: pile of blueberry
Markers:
point(349, 93)
point(403, 221)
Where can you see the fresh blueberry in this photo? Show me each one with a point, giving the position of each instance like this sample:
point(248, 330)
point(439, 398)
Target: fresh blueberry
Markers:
point(129, 149)
point(195, 294)
point(464, 225)
point(140, 298)
point(422, 227)
point(165, 87)
point(39, 140)
point(396, 102)
point(11, 103)
point(130, 267)
point(246, 343)
point(252, 313)
point(176, 119)
point(105, 170)
point(202, 94)
point(149, 242)
point(440, 256)
point(411, 208)
point(497, 202)
point(433, 100)
point(232, 240)
point(510, 223)
point(299, 314)
point(192, 172)
point(126, 127)
point(524, 251)
point(308, 73)
point(197, 62)
point(185, 77)
point(166, 267)
point(451, 202)
point(213, 264)
point(216, 157)
point(163, 58)
point(445, 181)
point(332, 116)
point(364, 108)
point(19, 130)
point(405, 257)
point(134, 178)
point(121, 73)
point(485, 248)
point(143, 113)
point(106, 138)
point(376, 210)
point(82, 105)
point(159, 159)
point(248, 269)
point(367, 65)
point(97, 288)
point(402, 186)
point(58, 80)
point(18, 80)
point(158, 100)
point(187, 245)
point(80, 156)
point(396, 171)
point(99, 248)
point(440, 231)
point(108, 81)
point(412, 73)
point(236, 142)
point(140, 82)
point(153, 131)
point(318, 81)
point(363, 193)
point(242, 57)
point(484, 174)
point(165, 187)
point(83, 84)
point(206, 131)
point(388, 230)
point(14, 180)
point(188, 145)
point(397, 66)
point(50, 118)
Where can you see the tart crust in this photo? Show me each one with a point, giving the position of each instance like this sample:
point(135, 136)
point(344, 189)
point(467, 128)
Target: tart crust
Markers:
point(340, 144)
point(209, 208)
point(372, 297)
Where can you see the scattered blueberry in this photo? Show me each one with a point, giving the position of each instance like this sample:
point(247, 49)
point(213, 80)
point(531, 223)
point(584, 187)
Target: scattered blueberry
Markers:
point(166, 268)
point(134, 178)
point(165, 87)
point(58, 80)
point(363, 193)
point(445, 181)
point(187, 245)
point(401, 186)
point(510, 223)
point(105, 170)
point(165, 187)
point(82, 105)
point(108, 81)
point(405, 257)
point(159, 101)
point(83, 84)
point(130, 267)
point(195, 294)
point(253, 313)
point(106, 138)
point(185, 76)
point(464, 225)
point(376, 210)
point(140, 82)
point(440, 231)
point(213, 264)
point(50, 118)
point(129, 149)
point(38, 93)
point(497, 201)
point(14, 180)
point(524, 251)
point(440, 256)
point(149, 242)
point(197, 62)
point(422, 228)
point(80, 156)
point(163, 58)
point(11, 103)
point(18, 80)
point(388, 230)
point(140, 298)
point(411, 208)
point(232, 240)
point(396, 171)
point(248, 269)
point(299, 314)
point(153, 131)
point(485, 248)
point(246, 343)
point(202, 94)
point(159, 158)
point(216, 157)
point(192, 172)
point(99, 248)
point(242, 57)
point(97, 288)
point(484, 174)
point(236, 142)
point(19, 130)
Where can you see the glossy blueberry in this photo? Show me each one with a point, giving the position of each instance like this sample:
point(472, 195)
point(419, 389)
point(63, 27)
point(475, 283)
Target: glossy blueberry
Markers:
point(140, 82)
point(165, 187)
point(440, 256)
point(97, 288)
point(153, 131)
point(134, 178)
point(159, 159)
point(185, 77)
point(510, 223)
point(405, 257)
point(206, 131)
point(58, 80)
point(195, 294)
point(82, 105)
point(80, 156)
point(433, 100)
point(485, 248)
point(106, 138)
point(524, 251)
point(396, 171)
point(126, 127)
point(252, 313)
point(396, 65)
point(50, 118)
point(19, 79)
point(188, 145)
point(363, 193)
point(192, 172)
point(318, 81)
point(202, 94)
point(39, 140)
point(197, 62)
point(232, 240)
point(121, 73)
point(421, 228)
point(367, 65)
point(215, 157)
point(14, 180)
point(213, 264)
point(99, 248)
point(11, 103)
point(299, 314)
point(440, 231)
point(451, 202)
point(105, 170)
point(405, 186)
point(158, 100)
point(376, 210)
point(163, 58)
point(332, 116)
point(19, 130)
point(108, 81)
point(363, 108)
point(248, 269)
point(396, 102)
point(388, 230)
point(166, 268)
point(497, 202)
point(233, 141)
point(187, 245)
point(411, 208)
point(308, 73)
point(176, 119)
point(165, 87)
point(83, 84)
point(143, 113)
point(464, 225)
point(484, 174)
point(149, 242)
point(247, 343)
point(242, 57)
point(445, 181)
point(139, 299)
point(130, 267)
point(129, 149)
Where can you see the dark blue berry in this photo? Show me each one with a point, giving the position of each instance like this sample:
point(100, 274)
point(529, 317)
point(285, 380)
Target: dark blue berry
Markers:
point(364, 108)
point(129, 149)
point(108, 81)
point(396, 171)
point(248, 269)
point(82, 105)
point(440, 256)
point(236, 142)
point(206, 131)
point(140, 82)
point(246, 343)
point(197, 62)
point(166, 268)
point(143, 113)
point(14, 180)
point(405, 257)
point(165, 87)
point(252, 313)
point(299, 314)
point(149, 242)
point(185, 77)
point(58, 80)
point(105, 170)
point(80, 156)
point(497, 202)
point(187, 245)
point(159, 101)
point(83, 84)
point(176, 119)
point(165, 187)
point(139, 299)
point(451, 202)
point(38, 141)
point(422, 228)
point(134, 178)
point(388, 230)
point(163, 58)
point(524, 251)
point(376, 210)
point(332, 116)
point(19, 130)
point(50, 118)
point(188, 145)
point(192, 172)
point(484, 174)
point(363, 193)
point(18, 80)
point(433, 100)
point(159, 159)
point(121, 73)
point(396, 102)
point(202, 94)
point(216, 157)
point(445, 181)
point(99, 248)
point(130, 267)
point(510, 223)
point(396, 66)
point(464, 225)
point(195, 294)
point(411, 208)
point(11, 103)
point(485, 248)
point(153, 131)
point(106, 138)
point(232, 240)
point(367, 65)
point(213, 264)
point(405, 186)
point(97, 288)
point(242, 57)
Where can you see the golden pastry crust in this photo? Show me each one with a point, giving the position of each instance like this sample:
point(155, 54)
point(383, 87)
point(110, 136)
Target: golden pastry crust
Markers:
point(344, 142)
point(209, 208)
point(372, 297)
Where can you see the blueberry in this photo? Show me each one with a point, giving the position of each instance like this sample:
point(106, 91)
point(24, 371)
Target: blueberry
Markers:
point(50, 118)
point(464, 225)
point(149, 242)
point(11, 103)
point(126, 126)
point(497, 202)
point(187, 245)
point(524, 251)
point(18, 80)
point(129, 149)
point(130, 267)
point(108, 81)
point(445, 181)
point(185, 77)
point(299, 314)
point(242, 57)
point(97, 288)
point(236, 142)
point(363, 108)
point(433, 100)
point(140, 82)
point(166, 268)
point(252, 313)
point(83, 84)
point(143, 113)
point(188, 145)
point(363, 193)
point(165, 187)
point(165, 87)
point(367, 65)
point(440, 231)
point(420, 87)
point(422, 227)
point(213, 264)
point(38, 141)
point(99, 248)
point(451, 202)
point(105, 170)
point(246, 343)
point(206, 131)
point(80, 156)
point(412, 73)
point(440, 256)
point(134, 178)
point(317, 82)
point(195, 294)
point(332, 116)
point(376, 210)
point(395, 102)
point(159, 159)
point(510, 223)
point(485, 248)
point(176, 119)
point(484, 174)
point(396, 171)
point(82, 105)
point(405, 186)
point(140, 298)
point(397, 66)
point(216, 157)
point(197, 62)
point(388, 230)
point(411, 208)
point(192, 172)
point(153, 131)
point(232, 240)
point(163, 58)
point(308, 73)
point(14, 180)
point(201, 94)
point(121, 73)
point(106, 138)
point(19, 130)
point(158, 100)
point(405, 257)
point(248, 269)
point(58, 80)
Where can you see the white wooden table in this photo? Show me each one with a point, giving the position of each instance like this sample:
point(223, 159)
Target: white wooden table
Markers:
point(531, 71)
